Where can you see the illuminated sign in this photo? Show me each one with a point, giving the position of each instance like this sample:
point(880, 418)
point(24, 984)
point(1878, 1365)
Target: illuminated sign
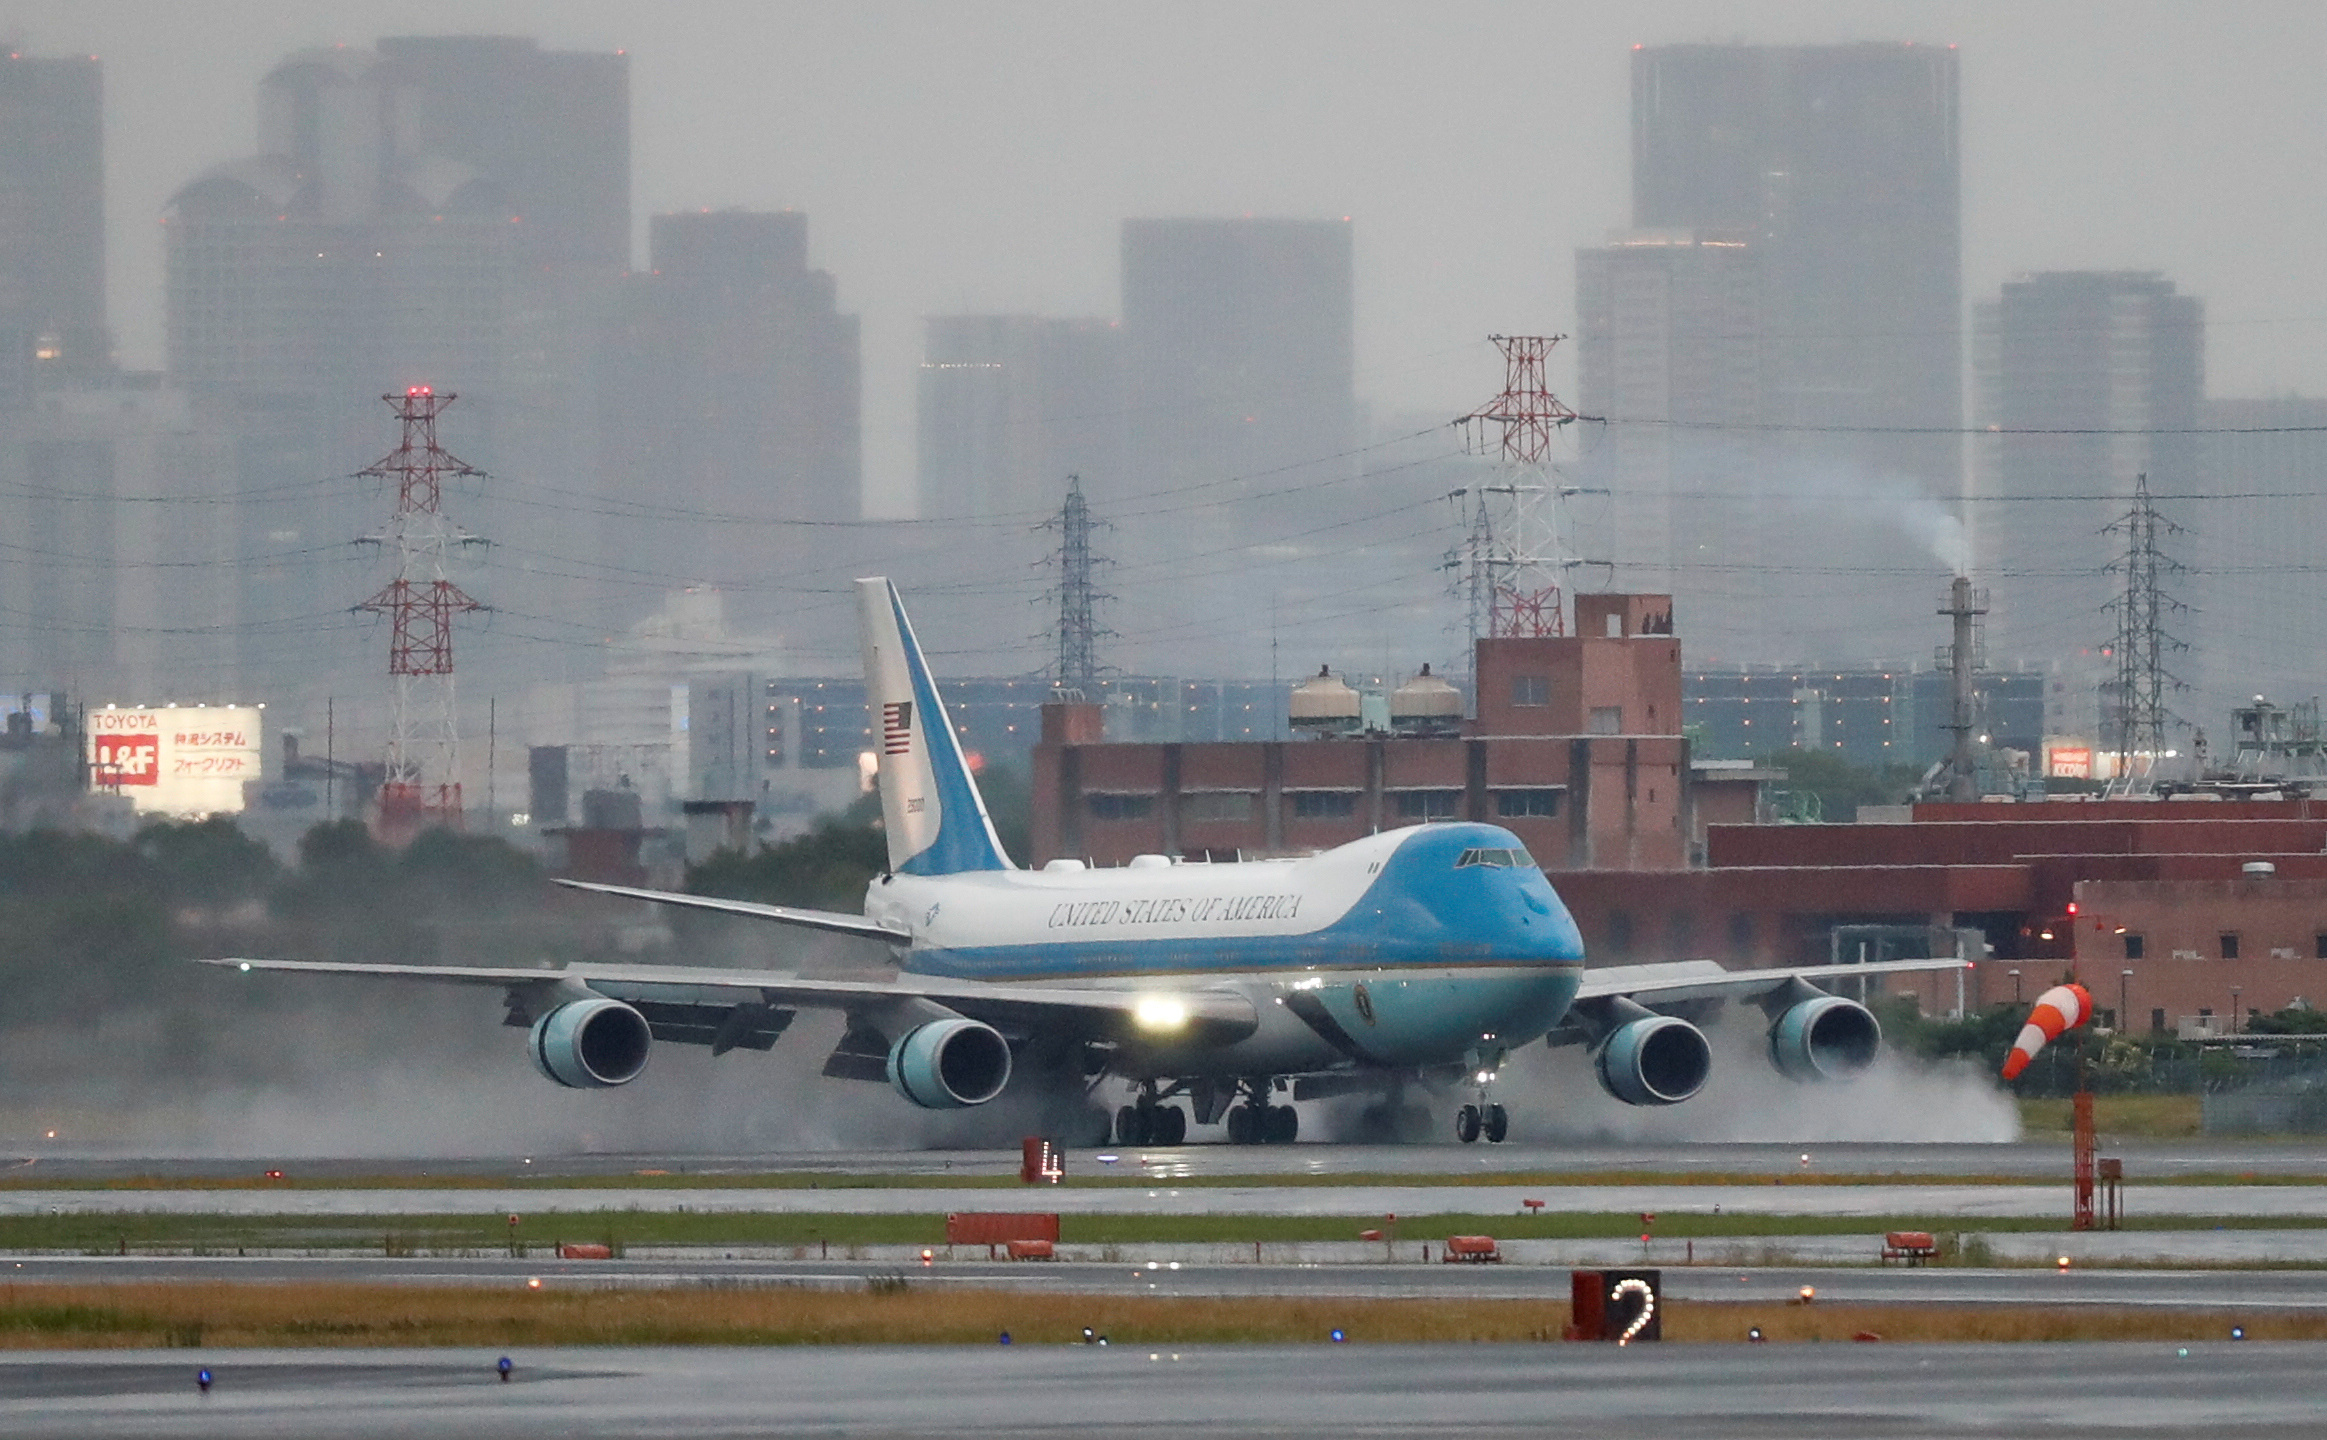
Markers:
point(176, 760)
point(2069, 762)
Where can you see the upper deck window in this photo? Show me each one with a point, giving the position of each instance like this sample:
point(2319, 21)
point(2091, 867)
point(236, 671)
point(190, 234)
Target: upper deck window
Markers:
point(1499, 859)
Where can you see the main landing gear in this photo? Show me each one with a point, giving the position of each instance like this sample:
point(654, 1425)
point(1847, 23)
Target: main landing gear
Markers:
point(1258, 1122)
point(1245, 1104)
point(1144, 1122)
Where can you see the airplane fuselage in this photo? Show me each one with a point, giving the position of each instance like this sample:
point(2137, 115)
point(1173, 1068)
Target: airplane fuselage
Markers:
point(1433, 945)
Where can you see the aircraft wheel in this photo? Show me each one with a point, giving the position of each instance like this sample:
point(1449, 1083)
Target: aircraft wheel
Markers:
point(1171, 1125)
point(1131, 1126)
point(1495, 1124)
point(1284, 1123)
point(1466, 1124)
point(1240, 1125)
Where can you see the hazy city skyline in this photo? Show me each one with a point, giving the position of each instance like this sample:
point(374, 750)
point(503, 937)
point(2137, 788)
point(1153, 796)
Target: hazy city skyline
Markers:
point(982, 161)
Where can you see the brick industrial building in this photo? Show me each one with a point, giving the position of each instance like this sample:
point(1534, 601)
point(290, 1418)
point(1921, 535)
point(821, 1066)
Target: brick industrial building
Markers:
point(2187, 915)
point(1576, 747)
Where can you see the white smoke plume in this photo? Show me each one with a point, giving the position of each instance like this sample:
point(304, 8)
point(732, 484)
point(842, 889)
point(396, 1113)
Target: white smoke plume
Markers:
point(1553, 1096)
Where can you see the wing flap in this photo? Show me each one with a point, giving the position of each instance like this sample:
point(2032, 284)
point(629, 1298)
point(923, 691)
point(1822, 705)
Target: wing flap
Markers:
point(1705, 980)
point(748, 1025)
point(832, 921)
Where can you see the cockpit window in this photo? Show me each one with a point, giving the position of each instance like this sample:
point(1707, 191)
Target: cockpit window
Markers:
point(1499, 859)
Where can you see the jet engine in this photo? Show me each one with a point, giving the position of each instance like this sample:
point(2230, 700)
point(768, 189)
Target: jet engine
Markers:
point(590, 1044)
point(1654, 1060)
point(947, 1064)
point(1824, 1038)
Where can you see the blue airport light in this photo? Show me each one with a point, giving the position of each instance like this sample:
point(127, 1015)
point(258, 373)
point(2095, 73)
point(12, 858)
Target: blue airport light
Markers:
point(1005, 1338)
point(2238, 1332)
point(202, 1379)
point(1338, 1337)
point(504, 1366)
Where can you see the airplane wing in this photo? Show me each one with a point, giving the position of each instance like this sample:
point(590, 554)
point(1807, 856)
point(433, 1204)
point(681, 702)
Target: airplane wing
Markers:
point(691, 1005)
point(1679, 980)
point(1697, 989)
point(831, 920)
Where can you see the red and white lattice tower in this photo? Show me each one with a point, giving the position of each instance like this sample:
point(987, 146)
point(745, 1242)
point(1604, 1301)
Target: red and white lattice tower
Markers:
point(423, 780)
point(1516, 556)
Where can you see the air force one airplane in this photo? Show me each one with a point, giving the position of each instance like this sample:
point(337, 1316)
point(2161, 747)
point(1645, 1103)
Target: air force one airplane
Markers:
point(1417, 958)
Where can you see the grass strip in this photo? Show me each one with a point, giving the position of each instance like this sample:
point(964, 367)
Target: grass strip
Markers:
point(1530, 1179)
point(149, 1232)
point(895, 1312)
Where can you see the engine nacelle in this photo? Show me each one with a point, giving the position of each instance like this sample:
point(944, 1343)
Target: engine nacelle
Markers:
point(1827, 1038)
point(590, 1044)
point(947, 1064)
point(1655, 1060)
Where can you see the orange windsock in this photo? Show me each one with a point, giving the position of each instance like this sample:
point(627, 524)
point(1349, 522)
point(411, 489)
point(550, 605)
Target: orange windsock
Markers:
point(2060, 1009)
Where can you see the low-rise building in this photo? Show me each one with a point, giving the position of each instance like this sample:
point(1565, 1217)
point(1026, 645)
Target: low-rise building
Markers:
point(1574, 744)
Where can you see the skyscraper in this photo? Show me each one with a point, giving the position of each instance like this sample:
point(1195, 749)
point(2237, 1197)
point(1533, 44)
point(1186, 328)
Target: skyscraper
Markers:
point(731, 383)
point(1011, 405)
point(1839, 166)
point(52, 223)
point(2097, 351)
point(1844, 158)
point(121, 576)
point(2255, 549)
point(551, 127)
point(1240, 379)
point(1240, 340)
point(437, 211)
point(1670, 334)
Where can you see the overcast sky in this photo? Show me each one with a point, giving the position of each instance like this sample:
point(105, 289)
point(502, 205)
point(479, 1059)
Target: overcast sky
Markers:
point(979, 157)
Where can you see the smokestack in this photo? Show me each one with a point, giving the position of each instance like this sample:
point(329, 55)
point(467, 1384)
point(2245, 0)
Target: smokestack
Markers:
point(1962, 604)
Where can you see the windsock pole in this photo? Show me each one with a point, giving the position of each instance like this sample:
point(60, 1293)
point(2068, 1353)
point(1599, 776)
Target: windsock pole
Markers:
point(2057, 1011)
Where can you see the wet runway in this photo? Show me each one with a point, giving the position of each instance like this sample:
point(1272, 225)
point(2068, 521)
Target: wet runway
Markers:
point(2291, 1201)
point(2190, 1289)
point(2244, 1391)
point(2042, 1159)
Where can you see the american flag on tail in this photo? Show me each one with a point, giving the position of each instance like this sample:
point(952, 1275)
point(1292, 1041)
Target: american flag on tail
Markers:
point(897, 728)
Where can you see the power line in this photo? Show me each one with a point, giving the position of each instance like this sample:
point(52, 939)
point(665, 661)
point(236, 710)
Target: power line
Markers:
point(1774, 427)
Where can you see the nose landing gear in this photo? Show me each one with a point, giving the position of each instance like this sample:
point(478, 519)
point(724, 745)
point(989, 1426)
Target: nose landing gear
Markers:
point(1484, 1118)
point(1490, 1121)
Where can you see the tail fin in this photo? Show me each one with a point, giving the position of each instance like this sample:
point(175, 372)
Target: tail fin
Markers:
point(936, 821)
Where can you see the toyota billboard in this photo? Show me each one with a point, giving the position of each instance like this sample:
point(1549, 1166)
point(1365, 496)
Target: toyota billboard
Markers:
point(175, 760)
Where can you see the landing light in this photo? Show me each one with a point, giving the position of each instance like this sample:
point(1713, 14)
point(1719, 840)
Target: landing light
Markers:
point(1160, 1012)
